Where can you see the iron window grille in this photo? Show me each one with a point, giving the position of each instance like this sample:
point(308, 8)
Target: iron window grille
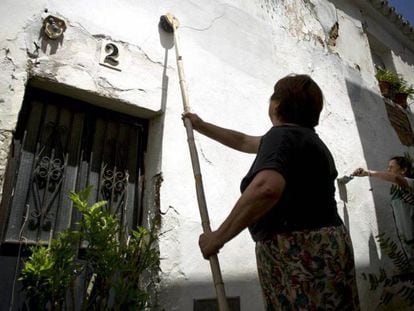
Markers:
point(61, 145)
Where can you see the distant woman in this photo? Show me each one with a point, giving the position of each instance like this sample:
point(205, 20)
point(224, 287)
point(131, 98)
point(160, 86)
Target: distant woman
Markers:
point(303, 250)
point(402, 197)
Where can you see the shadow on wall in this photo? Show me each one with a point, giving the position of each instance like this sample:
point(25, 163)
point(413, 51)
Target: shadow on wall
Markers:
point(243, 293)
point(156, 133)
point(379, 142)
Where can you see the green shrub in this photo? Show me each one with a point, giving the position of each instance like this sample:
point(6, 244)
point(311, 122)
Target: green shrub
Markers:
point(117, 269)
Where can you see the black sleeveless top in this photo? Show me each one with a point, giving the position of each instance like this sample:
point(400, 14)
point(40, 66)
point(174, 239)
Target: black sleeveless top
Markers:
point(308, 201)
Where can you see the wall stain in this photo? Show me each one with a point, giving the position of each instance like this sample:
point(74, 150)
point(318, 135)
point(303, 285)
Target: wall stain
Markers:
point(158, 179)
point(333, 35)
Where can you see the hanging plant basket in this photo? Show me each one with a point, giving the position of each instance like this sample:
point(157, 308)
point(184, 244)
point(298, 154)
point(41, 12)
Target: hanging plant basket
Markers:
point(402, 93)
point(401, 99)
point(387, 81)
point(385, 88)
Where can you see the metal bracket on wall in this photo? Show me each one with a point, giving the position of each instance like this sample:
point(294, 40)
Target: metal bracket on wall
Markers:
point(54, 27)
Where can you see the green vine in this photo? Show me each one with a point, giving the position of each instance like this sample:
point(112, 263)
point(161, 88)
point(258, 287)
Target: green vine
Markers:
point(403, 275)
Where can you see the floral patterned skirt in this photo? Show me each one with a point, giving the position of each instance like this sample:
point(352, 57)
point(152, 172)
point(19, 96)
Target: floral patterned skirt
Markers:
point(308, 270)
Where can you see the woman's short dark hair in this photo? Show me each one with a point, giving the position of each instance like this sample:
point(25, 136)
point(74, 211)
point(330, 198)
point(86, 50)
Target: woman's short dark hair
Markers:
point(300, 100)
point(404, 163)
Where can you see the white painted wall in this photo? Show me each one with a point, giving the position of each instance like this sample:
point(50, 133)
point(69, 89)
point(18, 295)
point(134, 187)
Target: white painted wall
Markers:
point(233, 52)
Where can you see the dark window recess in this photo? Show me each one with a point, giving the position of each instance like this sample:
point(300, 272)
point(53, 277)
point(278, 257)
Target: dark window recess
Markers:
point(61, 145)
point(212, 304)
point(380, 53)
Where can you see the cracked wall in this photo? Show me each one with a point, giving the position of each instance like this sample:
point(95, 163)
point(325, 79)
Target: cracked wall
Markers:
point(233, 52)
point(72, 63)
point(310, 20)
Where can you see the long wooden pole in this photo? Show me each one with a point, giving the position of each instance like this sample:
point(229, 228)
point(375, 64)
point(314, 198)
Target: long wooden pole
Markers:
point(205, 222)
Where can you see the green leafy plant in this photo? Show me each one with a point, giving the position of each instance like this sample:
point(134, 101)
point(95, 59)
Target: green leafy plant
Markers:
point(52, 270)
point(386, 75)
point(388, 82)
point(394, 86)
point(117, 269)
point(398, 288)
point(405, 88)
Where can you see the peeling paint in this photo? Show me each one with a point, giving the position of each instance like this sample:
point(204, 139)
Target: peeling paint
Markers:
point(233, 51)
point(5, 143)
point(157, 181)
point(333, 34)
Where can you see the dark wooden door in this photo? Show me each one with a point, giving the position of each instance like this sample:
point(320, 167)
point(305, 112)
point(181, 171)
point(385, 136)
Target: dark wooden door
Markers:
point(66, 145)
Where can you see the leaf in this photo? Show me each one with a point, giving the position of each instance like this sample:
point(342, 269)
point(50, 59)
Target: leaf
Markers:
point(98, 205)
point(85, 193)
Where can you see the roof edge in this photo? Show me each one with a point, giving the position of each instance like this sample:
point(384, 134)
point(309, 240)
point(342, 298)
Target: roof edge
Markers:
point(394, 17)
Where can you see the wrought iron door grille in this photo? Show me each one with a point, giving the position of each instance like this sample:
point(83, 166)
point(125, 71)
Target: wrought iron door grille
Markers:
point(66, 145)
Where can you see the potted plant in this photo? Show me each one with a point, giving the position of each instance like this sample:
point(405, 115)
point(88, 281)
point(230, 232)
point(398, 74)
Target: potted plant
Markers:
point(387, 80)
point(403, 92)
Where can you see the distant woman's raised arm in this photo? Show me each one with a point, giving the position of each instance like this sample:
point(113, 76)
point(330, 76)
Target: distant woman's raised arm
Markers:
point(383, 175)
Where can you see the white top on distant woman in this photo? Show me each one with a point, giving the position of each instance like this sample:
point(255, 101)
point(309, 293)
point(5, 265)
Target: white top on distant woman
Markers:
point(402, 196)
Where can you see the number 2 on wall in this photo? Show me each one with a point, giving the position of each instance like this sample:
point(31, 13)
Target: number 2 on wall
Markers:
point(113, 53)
point(110, 55)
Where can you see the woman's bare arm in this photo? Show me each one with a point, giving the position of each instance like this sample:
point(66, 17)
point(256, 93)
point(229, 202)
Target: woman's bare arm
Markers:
point(230, 138)
point(383, 175)
point(259, 197)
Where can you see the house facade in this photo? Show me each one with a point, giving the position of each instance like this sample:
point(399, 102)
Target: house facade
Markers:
point(90, 95)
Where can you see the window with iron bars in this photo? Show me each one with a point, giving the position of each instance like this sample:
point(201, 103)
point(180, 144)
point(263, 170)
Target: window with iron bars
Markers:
point(62, 145)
